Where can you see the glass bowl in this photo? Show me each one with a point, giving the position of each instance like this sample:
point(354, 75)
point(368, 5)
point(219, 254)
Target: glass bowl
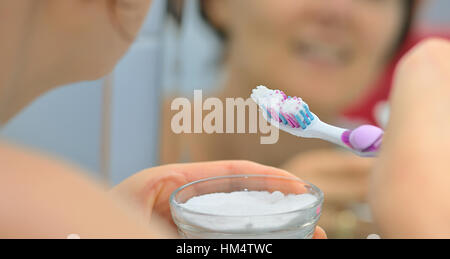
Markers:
point(298, 223)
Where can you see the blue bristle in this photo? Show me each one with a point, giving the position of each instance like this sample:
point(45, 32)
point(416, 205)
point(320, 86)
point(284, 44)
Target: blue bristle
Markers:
point(283, 119)
point(305, 117)
point(267, 112)
point(300, 121)
point(308, 112)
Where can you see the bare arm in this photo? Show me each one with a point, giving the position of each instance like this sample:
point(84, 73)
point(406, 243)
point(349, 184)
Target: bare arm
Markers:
point(41, 198)
point(411, 184)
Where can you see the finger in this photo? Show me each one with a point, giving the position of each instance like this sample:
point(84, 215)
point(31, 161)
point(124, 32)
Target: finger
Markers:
point(287, 184)
point(320, 234)
point(198, 171)
point(421, 76)
point(227, 184)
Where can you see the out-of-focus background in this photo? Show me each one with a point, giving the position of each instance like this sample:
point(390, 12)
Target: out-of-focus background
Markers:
point(110, 126)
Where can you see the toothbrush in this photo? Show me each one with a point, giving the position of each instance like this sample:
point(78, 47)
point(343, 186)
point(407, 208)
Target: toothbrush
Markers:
point(292, 115)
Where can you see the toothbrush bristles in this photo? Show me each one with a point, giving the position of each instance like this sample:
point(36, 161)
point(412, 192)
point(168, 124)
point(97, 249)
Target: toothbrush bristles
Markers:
point(288, 110)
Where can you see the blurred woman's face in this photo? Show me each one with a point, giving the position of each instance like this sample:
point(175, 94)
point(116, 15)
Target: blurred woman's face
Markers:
point(327, 52)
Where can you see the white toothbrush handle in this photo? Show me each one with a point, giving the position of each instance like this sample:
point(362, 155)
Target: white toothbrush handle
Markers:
point(329, 133)
point(317, 129)
point(322, 130)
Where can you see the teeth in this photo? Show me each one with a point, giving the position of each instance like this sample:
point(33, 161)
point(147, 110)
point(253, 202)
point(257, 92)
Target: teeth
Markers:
point(324, 51)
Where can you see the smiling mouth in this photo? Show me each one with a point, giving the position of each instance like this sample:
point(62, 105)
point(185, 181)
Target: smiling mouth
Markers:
point(324, 53)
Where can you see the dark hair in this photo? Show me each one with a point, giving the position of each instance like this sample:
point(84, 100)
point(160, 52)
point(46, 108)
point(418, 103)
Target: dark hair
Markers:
point(175, 9)
point(409, 7)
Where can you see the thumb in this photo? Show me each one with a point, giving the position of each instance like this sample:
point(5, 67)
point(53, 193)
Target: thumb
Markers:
point(319, 233)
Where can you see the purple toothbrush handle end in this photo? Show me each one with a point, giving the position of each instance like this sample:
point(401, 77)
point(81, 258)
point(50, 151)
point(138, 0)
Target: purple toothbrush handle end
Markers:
point(365, 139)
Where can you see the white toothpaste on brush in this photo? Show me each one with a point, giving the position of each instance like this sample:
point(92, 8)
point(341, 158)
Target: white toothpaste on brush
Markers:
point(241, 206)
point(267, 97)
point(279, 106)
point(292, 105)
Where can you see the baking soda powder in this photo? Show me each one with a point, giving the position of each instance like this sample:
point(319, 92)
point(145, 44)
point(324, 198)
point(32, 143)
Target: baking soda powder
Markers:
point(247, 210)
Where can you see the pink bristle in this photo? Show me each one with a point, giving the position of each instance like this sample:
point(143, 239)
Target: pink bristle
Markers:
point(274, 115)
point(287, 118)
point(289, 122)
point(294, 120)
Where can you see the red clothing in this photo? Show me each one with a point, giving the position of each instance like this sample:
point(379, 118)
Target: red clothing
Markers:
point(364, 109)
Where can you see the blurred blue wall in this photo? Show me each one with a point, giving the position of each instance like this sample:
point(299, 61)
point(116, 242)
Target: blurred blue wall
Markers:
point(437, 12)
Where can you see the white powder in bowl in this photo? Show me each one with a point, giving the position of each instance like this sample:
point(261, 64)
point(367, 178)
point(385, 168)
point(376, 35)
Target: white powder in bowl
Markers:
point(250, 203)
point(250, 210)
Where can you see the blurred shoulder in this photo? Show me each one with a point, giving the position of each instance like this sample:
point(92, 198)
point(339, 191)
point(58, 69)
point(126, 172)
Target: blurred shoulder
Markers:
point(22, 166)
